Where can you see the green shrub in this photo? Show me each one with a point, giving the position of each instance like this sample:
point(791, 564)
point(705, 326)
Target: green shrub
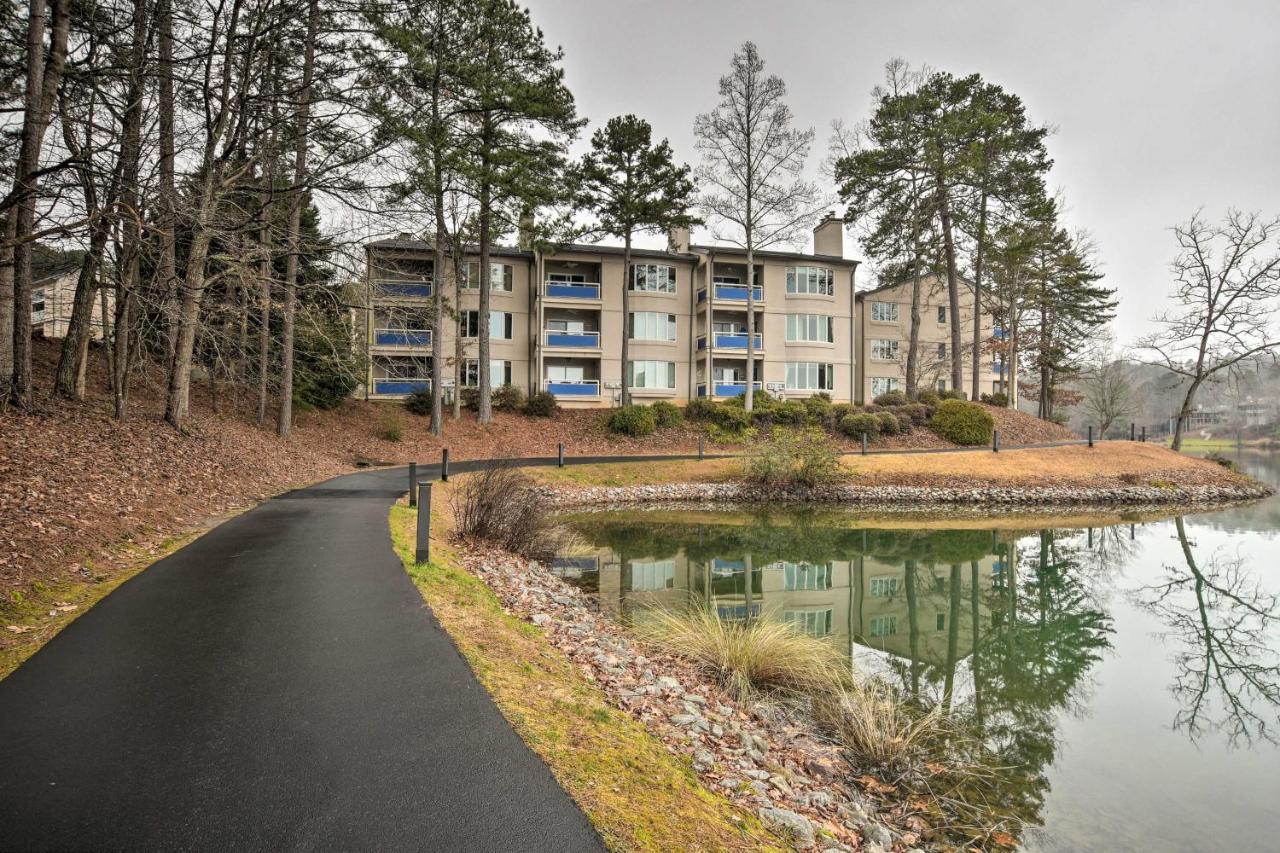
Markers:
point(730, 418)
point(541, 404)
point(951, 394)
point(962, 422)
point(470, 398)
point(997, 399)
point(905, 422)
point(700, 409)
point(666, 414)
point(633, 420)
point(508, 398)
point(929, 398)
point(761, 418)
point(891, 398)
point(888, 423)
point(842, 410)
point(791, 412)
point(820, 409)
point(793, 458)
point(418, 403)
point(862, 423)
point(1219, 459)
point(919, 413)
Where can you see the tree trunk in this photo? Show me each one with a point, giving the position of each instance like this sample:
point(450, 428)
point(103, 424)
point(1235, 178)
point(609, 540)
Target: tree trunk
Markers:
point(69, 380)
point(459, 364)
point(6, 305)
point(484, 412)
point(977, 298)
point(1187, 402)
point(913, 342)
point(953, 291)
point(43, 75)
point(166, 220)
point(750, 398)
point(285, 421)
point(626, 319)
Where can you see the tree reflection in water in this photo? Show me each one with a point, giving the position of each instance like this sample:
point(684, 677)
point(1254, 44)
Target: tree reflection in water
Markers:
point(1227, 675)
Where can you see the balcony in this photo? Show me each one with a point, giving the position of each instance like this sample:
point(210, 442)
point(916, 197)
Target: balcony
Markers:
point(731, 341)
point(726, 389)
point(579, 388)
point(577, 290)
point(397, 289)
point(400, 386)
point(572, 340)
point(733, 293)
point(402, 337)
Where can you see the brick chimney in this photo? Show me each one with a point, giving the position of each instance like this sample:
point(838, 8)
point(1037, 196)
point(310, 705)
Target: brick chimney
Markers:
point(678, 239)
point(828, 237)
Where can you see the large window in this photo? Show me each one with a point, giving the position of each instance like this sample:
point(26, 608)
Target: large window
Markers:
point(653, 374)
point(815, 623)
point(809, 327)
point(652, 575)
point(500, 324)
point(884, 350)
point(402, 367)
point(942, 313)
point(797, 576)
point(883, 385)
point(884, 312)
point(810, 376)
point(500, 277)
point(811, 281)
point(652, 326)
point(942, 352)
point(499, 373)
point(883, 626)
point(884, 587)
point(653, 278)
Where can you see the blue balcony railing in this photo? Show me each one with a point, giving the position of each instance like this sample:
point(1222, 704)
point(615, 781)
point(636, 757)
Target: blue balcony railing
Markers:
point(402, 337)
point(400, 386)
point(573, 340)
point(404, 288)
point(732, 293)
point(731, 340)
point(572, 290)
point(726, 389)
point(578, 388)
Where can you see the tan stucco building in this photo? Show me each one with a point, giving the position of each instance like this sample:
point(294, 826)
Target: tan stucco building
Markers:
point(884, 336)
point(52, 300)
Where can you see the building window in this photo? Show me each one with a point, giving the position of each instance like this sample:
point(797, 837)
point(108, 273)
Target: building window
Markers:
point(802, 576)
point(884, 587)
point(815, 623)
point(652, 326)
point(883, 385)
point(810, 376)
point(942, 386)
point(567, 277)
point(499, 373)
point(941, 622)
point(500, 324)
point(942, 352)
point(811, 281)
point(566, 373)
point(650, 576)
point(653, 278)
point(884, 350)
point(402, 367)
point(942, 313)
point(500, 277)
point(810, 327)
point(884, 312)
point(884, 626)
point(653, 374)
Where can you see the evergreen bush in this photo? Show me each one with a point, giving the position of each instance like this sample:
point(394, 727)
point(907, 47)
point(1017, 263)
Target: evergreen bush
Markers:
point(962, 422)
point(541, 404)
point(633, 420)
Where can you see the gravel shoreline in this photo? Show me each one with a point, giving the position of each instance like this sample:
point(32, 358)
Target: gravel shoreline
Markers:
point(915, 496)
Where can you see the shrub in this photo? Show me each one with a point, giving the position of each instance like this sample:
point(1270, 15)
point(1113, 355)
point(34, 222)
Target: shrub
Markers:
point(929, 398)
point(919, 413)
point(879, 727)
point(731, 418)
point(700, 409)
point(418, 403)
point(820, 409)
point(905, 423)
point(666, 414)
point(541, 404)
point(891, 398)
point(862, 423)
point(962, 422)
point(391, 430)
point(790, 458)
point(633, 420)
point(997, 399)
point(1218, 459)
point(508, 398)
point(470, 398)
point(747, 656)
point(791, 412)
point(951, 394)
point(841, 410)
point(888, 423)
point(504, 507)
point(761, 418)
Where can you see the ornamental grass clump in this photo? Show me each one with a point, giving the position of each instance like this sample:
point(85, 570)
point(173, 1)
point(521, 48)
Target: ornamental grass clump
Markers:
point(877, 725)
point(503, 506)
point(790, 458)
point(962, 422)
point(747, 657)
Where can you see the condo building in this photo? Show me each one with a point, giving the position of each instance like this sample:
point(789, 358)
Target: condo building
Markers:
point(556, 322)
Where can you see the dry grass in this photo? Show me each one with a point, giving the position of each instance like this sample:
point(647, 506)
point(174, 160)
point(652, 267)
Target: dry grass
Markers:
point(637, 794)
point(760, 655)
point(872, 721)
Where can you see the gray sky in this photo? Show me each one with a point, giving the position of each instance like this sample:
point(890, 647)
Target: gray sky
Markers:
point(1160, 107)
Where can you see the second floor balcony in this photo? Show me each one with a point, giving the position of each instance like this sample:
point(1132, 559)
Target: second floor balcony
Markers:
point(735, 341)
point(402, 337)
point(564, 339)
point(394, 288)
point(583, 291)
point(401, 385)
point(573, 388)
point(732, 293)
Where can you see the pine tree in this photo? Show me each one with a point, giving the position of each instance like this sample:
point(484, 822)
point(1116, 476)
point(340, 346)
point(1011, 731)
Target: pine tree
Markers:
point(633, 187)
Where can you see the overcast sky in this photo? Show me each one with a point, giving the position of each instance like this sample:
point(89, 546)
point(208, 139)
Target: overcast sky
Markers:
point(1160, 107)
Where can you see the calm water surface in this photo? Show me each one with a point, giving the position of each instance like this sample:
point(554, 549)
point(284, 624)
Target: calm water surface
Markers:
point(1132, 667)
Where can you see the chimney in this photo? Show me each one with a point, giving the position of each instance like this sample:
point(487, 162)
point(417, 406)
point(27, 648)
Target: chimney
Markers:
point(828, 237)
point(678, 239)
point(524, 231)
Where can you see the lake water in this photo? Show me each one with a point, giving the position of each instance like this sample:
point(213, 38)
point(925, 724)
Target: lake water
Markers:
point(1129, 666)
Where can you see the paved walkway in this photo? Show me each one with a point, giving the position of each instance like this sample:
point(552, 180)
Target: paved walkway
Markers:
point(278, 684)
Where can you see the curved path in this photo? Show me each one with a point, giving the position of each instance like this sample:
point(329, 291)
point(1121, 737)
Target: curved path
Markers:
point(277, 684)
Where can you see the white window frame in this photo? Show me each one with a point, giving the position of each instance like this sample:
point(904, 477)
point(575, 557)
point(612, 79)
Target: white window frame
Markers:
point(662, 374)
point(810, 376)
point(810, 328)
point(884, 312)
point(811, 281)
point(883, 385)
point(499, 372)
point(501, 325)
point(652, 575)
point(651, 326)
point(501, 277)
point(884, 349)
point(883, 586)
point(652, 278)
point(884, 625)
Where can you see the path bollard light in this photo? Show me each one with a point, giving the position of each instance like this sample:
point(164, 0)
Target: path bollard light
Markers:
point(413, 484)
point(560, 460)
point(444, 465)
point(1132, 431)
point(422, 553)
point(1144, 435)
point(995, 441)
point(864, 444)
point(701, 443)
point(1091, 436)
